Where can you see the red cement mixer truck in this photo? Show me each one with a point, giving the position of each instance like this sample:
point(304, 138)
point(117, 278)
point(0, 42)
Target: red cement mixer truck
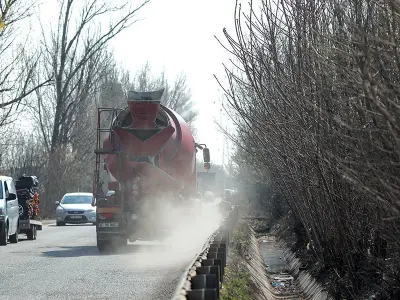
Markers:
point(145, 158)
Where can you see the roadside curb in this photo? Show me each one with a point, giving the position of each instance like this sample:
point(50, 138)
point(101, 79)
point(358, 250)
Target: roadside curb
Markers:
point(203, 278)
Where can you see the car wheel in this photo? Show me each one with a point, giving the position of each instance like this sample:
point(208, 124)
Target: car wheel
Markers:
point(4, 236)
point(60, 223)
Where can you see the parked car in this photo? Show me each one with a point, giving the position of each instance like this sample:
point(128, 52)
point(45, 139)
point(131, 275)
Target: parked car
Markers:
point(9, 211)
point(75, 208)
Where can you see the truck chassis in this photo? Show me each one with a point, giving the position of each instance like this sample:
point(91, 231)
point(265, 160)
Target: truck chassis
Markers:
point(30, 228)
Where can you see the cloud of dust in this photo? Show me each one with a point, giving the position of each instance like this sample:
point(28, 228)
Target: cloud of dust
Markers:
point(189, 229)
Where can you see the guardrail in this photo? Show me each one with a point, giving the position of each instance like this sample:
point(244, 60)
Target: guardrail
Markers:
point(203, 279)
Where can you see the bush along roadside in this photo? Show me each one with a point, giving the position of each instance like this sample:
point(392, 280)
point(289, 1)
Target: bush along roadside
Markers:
point(236, 285)
point(245, 276)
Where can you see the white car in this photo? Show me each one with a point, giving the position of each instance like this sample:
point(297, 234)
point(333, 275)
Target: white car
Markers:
point(75, 208)
point(9, 211)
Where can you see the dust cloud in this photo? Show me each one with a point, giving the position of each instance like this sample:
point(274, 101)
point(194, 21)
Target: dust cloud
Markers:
point(188, 230)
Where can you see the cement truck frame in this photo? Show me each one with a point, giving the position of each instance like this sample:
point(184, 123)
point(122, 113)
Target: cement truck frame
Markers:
point(149, 158)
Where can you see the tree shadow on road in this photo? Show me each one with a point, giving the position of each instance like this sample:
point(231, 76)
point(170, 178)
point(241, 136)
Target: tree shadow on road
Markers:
point(77, 251)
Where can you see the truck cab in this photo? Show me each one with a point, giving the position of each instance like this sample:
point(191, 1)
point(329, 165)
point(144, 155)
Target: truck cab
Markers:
point(9, 211)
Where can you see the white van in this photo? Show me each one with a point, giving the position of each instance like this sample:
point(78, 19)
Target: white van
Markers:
point(9, 211)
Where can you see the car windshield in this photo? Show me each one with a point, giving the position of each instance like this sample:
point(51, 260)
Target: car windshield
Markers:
point(1, 189)
point(77, 199)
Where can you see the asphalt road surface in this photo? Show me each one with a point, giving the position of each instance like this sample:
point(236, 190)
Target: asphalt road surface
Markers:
point(64, 263)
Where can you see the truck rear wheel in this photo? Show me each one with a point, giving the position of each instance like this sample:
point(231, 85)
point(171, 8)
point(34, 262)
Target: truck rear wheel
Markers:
point(120, 242)
point(102, 245)
point(31, 233)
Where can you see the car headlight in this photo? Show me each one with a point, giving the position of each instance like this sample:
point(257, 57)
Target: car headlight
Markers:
point(90, 210)
point(60, 209)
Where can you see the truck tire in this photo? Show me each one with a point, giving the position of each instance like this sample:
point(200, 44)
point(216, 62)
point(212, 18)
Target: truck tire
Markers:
point(4, 236)
point(121, 242)
point(31, 233)
point(103, 245)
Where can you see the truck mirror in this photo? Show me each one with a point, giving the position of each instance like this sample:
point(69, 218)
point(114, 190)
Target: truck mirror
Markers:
point(206, 155)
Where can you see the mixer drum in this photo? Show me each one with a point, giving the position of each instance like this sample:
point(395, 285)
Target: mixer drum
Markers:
point(153, 142)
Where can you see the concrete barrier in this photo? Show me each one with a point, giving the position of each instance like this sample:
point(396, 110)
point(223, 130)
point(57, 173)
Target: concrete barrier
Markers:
point(202, 280)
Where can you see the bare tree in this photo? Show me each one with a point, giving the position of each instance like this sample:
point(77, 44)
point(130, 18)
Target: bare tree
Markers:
point(17, 65)
point(26, 155)
point(75, 56)
point(315, 98)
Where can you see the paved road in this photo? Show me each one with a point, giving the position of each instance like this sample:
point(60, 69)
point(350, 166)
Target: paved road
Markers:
point(64, 263)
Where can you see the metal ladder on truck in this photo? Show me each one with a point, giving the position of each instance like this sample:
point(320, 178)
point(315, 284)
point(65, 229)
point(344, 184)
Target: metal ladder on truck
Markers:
point(99, 151)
